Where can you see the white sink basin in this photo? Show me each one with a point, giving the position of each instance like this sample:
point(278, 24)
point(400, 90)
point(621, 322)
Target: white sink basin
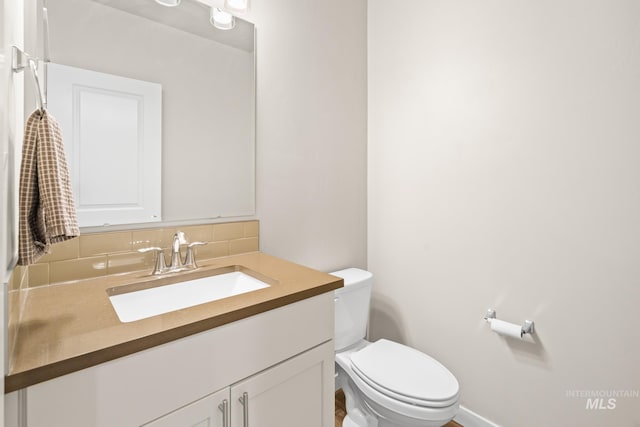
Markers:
point(140, 304)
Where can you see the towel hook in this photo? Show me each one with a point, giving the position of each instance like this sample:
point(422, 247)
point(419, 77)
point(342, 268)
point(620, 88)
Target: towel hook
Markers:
point(22, 60)
point(40, 98)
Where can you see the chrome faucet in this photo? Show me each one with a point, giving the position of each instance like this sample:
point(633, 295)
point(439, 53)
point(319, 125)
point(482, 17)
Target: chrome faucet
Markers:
point(176, 263)
point(178, 239)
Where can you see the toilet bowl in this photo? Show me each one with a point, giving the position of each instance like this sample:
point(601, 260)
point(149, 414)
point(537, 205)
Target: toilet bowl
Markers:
point(386, 384)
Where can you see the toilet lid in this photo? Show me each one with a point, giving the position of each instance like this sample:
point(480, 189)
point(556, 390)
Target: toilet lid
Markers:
point(405, 373)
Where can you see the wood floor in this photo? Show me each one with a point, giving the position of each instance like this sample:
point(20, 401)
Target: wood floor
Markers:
point(341, 411)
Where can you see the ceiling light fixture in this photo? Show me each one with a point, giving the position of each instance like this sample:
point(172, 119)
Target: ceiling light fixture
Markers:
point(236, 6)
point(221, 19)
point(169, 3)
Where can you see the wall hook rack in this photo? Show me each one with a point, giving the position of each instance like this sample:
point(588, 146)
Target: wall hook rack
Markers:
point(21, 60)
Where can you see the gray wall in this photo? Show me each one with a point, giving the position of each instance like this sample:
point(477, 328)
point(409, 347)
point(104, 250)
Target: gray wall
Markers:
point(311, 130)
point(503, 172)
point(11, 123)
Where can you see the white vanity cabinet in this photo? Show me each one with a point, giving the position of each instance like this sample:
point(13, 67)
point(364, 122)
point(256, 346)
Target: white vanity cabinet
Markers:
point(287, 395)
point(201, 413)
point(283, 359)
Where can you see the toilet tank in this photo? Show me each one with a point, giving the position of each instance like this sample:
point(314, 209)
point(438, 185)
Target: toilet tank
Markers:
point(352, 306)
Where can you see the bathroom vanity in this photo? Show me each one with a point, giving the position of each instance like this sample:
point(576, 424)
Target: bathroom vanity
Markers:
point(263, 358)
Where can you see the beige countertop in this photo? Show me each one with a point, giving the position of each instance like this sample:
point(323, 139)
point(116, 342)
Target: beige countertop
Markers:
point(68, 327)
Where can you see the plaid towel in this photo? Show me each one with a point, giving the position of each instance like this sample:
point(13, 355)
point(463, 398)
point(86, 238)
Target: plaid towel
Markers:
point(47, 212)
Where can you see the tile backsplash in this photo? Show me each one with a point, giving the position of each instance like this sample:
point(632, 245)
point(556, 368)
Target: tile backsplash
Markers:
point(100, 254)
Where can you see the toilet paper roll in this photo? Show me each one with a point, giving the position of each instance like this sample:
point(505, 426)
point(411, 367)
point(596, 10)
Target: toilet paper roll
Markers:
point(505, 328)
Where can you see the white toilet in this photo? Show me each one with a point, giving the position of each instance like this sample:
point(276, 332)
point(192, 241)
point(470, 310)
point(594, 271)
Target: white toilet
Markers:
point(386, 384)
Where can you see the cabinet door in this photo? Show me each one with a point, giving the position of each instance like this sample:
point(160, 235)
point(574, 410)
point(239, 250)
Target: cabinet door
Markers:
point(206, 412)
point(297, 392)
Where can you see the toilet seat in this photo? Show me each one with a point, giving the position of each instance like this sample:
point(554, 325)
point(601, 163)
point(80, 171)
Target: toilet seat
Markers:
point(385, 406)
point(405, 374)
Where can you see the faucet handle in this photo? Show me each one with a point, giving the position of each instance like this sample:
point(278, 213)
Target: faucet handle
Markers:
point(190, 259)
point(196, 244)
point(160, 265)
point(149, 249)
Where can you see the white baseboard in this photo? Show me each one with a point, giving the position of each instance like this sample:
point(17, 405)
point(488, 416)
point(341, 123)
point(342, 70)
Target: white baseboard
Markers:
point(468, 418)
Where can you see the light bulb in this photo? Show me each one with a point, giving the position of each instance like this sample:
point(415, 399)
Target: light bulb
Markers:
point(236, 6)
point(221, 19)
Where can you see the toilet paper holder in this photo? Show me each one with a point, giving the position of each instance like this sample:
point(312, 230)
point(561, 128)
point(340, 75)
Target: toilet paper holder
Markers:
point(528, 326)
